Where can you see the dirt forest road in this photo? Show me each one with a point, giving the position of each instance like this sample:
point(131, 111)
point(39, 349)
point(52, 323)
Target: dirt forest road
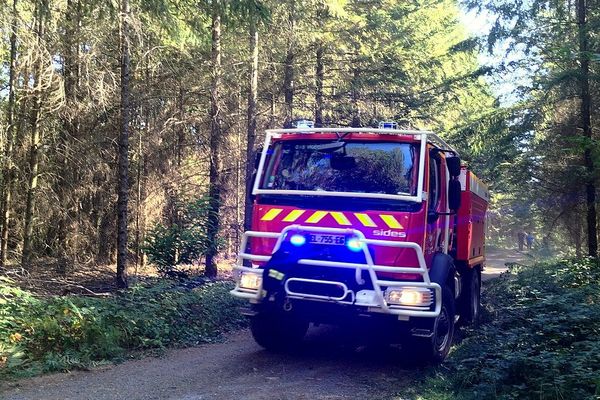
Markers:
point(497, 258)
point(326, 368)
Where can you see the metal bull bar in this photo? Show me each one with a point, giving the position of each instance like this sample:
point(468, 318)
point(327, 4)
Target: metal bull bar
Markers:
point(376, 304)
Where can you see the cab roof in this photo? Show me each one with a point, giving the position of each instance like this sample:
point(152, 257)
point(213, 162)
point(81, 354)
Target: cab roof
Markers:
point(362, 133)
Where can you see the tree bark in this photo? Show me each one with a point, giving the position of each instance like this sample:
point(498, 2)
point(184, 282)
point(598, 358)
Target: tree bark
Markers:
point(138, 202)
point(10, 139)
point(214, 190)
point(181, 127)
point(288, 87)
point(586, 122)
point(319, 77)
point(68, 173)
point(288, 71)
point(355, 93)
point(34, 149)
point(123, 167)
point(251, 129)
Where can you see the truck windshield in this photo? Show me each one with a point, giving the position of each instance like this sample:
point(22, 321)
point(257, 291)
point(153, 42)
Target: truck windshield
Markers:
point(337, 166)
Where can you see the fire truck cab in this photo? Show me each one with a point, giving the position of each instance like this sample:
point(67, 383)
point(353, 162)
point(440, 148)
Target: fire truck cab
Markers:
point(358, 226)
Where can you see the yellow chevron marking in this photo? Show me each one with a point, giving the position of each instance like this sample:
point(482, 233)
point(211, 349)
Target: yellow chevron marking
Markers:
point(316, 217)
point(340, 218)
point(271, 214)
point(391, 222)
point(294, 215)
point(365, 220)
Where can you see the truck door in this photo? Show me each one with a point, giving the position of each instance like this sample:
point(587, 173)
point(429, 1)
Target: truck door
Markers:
point(434, 228)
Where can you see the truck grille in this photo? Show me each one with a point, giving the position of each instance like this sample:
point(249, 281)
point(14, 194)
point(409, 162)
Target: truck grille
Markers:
point(325, 289)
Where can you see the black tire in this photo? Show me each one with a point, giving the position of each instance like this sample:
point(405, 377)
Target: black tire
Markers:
point(471, 298)
point(435, 349)
point(277, 331)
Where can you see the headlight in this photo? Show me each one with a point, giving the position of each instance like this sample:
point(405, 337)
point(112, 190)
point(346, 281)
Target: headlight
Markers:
point(409, 296)
point(354, 244)
point(251, 280)
point(298, 240)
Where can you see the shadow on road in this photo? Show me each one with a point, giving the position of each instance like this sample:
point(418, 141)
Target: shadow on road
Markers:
point(327, 343)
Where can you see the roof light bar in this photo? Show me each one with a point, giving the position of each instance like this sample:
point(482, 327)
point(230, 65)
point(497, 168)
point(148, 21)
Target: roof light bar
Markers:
point(303, 123)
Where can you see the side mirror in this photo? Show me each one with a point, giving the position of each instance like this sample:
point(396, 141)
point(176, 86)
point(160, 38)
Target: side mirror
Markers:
point(453, 164)
point(257, 156)
point(454, 193)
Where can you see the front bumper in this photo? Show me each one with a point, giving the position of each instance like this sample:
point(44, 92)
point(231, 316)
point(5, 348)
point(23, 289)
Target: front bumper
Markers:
point(372, 299)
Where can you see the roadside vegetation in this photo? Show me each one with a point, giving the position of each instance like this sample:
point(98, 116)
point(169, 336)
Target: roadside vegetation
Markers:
point(60, 333)
point(539, 338)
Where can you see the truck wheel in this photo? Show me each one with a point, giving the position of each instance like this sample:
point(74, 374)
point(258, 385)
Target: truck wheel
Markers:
point(277, 331)
point(471, 304)
point(434, 349)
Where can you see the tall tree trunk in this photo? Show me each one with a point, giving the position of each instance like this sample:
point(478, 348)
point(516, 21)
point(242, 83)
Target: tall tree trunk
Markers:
point(181, 127)
point(288, 69)
point(34, 150)
point(240, 172)
point(142, 174)
point(10, 139)
point(251, 129)
point(138, 202)
point(143, 178)
point(288, 87)
point(272, 101)
point(68, 135)
point(586, 122)
point(214, 190)
point(319, 77)
point(356, 122)
point(123, 168)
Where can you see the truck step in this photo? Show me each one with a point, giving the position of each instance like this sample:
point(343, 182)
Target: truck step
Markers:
point(421, 332)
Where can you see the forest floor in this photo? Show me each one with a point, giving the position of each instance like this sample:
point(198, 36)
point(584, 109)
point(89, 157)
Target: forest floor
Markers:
point(326, 367)
point(47, 278)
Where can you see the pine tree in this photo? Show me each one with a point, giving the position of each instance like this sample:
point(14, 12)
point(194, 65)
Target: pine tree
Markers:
point(8, 167)
point(41, 13)
point(214, 183)
point(123, 152)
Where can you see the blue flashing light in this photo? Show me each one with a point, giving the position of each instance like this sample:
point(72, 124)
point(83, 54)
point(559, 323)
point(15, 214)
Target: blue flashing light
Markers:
point(388, 125)
point(297, 240)
point(354, 244)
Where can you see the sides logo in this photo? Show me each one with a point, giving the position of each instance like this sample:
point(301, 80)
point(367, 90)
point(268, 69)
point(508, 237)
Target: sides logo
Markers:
point(389, 233)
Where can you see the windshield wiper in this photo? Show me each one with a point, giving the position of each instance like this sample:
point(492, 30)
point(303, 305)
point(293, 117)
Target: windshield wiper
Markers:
point(333, 146)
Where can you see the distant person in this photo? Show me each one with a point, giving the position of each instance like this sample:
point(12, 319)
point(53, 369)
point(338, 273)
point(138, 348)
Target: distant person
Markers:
point(521, 239)
point(529, 239)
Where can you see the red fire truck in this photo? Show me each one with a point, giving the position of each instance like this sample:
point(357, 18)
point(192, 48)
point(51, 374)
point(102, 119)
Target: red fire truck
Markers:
point(363, 226)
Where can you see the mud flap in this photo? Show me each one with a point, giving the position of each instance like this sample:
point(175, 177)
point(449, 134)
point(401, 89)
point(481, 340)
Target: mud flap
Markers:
point(442, 270)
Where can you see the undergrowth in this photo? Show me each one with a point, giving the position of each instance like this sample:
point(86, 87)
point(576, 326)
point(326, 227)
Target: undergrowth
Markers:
point(58, 333)
point(540, 338)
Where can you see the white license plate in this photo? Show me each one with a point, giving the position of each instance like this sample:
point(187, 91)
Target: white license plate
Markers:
point(320, 238)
